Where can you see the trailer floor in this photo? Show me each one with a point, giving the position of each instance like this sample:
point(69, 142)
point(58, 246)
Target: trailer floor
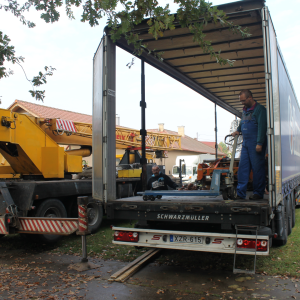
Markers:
point(197, 199)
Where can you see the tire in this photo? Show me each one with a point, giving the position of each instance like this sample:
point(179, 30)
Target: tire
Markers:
point(225, 194)
point(293, 209)
point(232, 193)
point(229, 193)
point(283, 238)
point(289, 214)
point(95, 216)
point(51, 208)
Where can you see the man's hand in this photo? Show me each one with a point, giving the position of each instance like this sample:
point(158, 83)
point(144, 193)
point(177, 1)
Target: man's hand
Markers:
point(258, 148)
point(235, 133)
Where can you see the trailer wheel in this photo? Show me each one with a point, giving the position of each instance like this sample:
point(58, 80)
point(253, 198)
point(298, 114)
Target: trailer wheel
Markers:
point(283, 239)
point(95, 216)
point(51, 208)
point(293, 209)
point(289, 213)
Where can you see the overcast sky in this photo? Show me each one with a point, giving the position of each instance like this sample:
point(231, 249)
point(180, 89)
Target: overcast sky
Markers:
point(69, 46)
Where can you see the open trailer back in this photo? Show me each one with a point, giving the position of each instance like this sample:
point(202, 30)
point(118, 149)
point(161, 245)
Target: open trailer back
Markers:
point(205, 223)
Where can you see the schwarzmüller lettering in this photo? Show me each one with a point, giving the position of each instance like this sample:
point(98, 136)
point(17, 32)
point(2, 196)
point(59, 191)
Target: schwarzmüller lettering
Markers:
point(182, 217)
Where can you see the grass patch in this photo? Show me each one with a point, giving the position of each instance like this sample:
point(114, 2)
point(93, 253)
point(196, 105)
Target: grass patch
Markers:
point(281, 261)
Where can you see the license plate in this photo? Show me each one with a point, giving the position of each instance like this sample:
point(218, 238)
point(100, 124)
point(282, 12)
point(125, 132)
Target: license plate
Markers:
point(186, 239)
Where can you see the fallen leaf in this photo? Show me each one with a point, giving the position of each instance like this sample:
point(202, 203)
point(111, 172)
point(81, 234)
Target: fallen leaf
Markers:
point(240, 279)
point(235, 286)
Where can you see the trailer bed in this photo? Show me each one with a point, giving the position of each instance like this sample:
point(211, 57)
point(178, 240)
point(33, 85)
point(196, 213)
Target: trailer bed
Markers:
point(212, 210)
point(193, 199)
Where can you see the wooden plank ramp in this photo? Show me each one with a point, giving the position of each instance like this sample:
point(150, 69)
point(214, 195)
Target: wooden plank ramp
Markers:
point(126, 272)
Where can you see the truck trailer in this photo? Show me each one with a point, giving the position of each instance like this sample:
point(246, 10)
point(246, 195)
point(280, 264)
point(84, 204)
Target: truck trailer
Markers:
point(183, 221)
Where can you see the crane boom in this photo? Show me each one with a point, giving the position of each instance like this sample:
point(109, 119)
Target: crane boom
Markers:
point(81, 134)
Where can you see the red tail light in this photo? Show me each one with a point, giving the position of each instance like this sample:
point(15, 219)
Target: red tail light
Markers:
point(262, 245)
point(126, 236)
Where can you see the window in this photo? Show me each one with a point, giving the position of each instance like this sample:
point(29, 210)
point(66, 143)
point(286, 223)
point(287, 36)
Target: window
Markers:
point(194, 170)
point(175, 170)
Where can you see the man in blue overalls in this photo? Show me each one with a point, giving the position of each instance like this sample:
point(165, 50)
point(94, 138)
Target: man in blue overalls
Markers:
point(254, 128)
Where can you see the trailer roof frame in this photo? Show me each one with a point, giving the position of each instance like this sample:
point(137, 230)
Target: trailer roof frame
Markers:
point(191, 59)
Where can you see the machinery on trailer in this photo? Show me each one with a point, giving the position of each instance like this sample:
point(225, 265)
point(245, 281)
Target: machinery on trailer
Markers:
point(185, 221)
point(222, 181)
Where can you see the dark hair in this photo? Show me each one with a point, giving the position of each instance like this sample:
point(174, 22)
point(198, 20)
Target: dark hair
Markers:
point(247, 93)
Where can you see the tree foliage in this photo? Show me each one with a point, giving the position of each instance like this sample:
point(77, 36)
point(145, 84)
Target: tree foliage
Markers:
point(122, 16)
point(222, 147)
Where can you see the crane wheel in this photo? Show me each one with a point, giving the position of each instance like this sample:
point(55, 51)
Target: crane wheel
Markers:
point(145, 198)
point(152, 198)
point(95, 216)
point(159, 196)
point(51, 208)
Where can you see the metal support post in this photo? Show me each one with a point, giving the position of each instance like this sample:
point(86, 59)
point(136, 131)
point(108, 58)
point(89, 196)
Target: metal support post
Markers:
point(83, 224)
point(180, 171)
point(143, 131)
point(83, 231)
point(216, 132)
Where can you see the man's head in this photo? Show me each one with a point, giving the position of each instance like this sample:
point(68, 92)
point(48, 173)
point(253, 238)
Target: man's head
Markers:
point(246, 98)
point(155, 170)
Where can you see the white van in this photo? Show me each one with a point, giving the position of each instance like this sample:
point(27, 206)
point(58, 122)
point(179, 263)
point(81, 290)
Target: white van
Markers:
point(189, 166)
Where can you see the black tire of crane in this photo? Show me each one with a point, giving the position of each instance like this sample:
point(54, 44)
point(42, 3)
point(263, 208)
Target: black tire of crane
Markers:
point(51, 208)
point(145, 198)
point(289, 214)
point(95, 216)
point(158, 196)
point(152, 198)
point(293, 209)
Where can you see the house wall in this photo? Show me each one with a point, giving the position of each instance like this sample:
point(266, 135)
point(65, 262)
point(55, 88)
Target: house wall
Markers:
point(171, 160)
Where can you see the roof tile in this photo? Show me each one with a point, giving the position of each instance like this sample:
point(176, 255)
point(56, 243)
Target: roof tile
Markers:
point(43, 111)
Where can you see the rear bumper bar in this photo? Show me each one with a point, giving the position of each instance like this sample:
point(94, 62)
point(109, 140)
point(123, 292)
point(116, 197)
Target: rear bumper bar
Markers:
point(198, 241)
